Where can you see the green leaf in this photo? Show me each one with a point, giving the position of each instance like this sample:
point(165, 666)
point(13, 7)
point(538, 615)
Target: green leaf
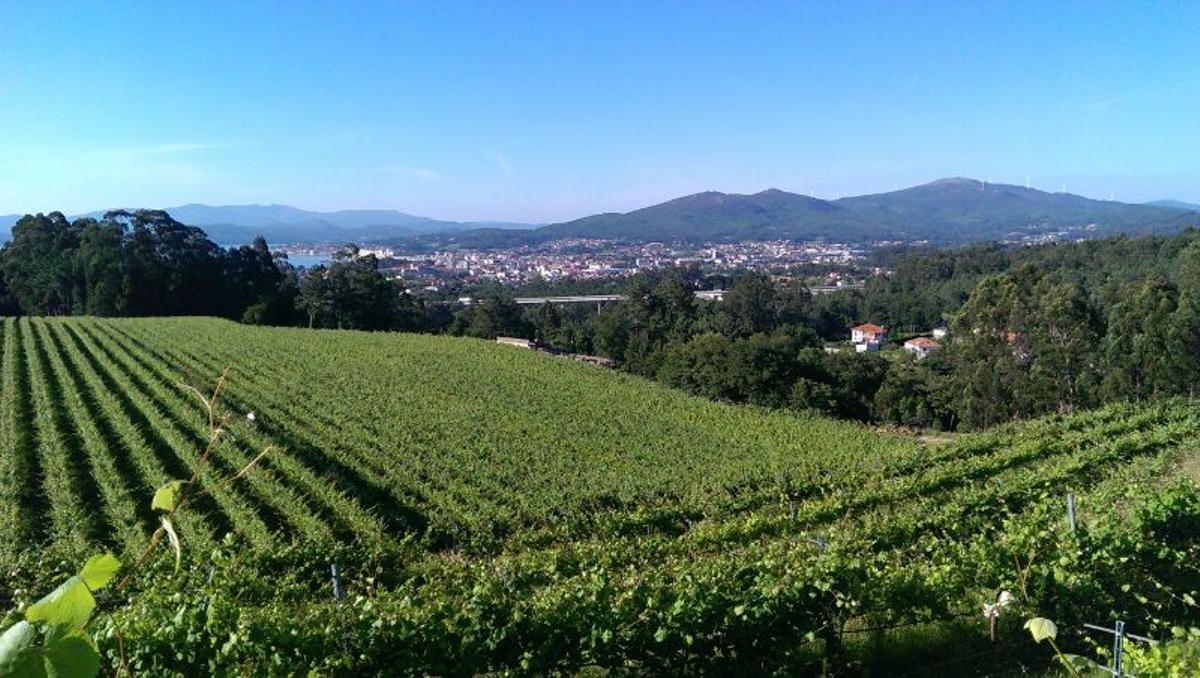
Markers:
point(1084, 664)
point(99, 570)
point(174, 539)
point(70, 604)
point(1041, 629)
point(166, 498)
point(17, 650)
point(70, 657)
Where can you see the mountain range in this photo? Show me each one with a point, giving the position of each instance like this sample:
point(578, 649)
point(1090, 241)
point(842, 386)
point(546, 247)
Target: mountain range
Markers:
point(1176, 204)
point(237, 224)
point(947, 211)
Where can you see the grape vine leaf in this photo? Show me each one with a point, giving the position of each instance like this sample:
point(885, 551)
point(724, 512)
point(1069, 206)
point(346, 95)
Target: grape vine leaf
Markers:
point(71, 656)
point(166, 498)
point(99, 570)
point(70, 604)
point(1041, 628)
point(17, 650)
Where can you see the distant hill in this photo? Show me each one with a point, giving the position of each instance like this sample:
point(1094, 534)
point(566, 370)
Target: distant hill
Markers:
point(236, 224)
point(947, 211)
point(961, 210)
point(1176, 204)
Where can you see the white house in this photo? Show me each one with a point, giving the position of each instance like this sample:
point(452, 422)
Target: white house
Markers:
point(940, 333)
point(921, 346)
point(867, 334)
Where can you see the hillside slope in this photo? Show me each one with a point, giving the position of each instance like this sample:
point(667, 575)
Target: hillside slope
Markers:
point(461, 439)
point(493, 509)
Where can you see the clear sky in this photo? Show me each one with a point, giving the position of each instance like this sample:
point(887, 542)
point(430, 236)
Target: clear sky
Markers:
point(548, 111)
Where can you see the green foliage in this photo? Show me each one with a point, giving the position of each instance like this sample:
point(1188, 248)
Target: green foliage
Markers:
point(525, 514)
point(1177, 657)
point(135, 263)
point(59, 620)
point(351, 293)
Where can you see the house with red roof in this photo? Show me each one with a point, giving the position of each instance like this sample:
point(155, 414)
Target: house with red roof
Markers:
point(867, 337)
point(921, 346)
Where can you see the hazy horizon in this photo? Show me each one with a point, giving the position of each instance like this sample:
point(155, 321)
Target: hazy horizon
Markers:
point(544, 112)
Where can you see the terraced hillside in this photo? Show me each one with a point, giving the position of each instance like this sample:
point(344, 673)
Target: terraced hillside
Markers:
point(495, 509)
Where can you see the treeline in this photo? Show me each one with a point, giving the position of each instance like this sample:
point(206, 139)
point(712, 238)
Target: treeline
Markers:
point(762, 344)
point(144, 263)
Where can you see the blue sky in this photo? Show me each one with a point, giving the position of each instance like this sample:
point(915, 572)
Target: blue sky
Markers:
point(549, 111)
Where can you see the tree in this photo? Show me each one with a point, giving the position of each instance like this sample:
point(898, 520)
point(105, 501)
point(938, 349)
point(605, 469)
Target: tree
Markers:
point(315, 297)
point(100, 266)
point(139, 263)
point(759, 369)
point(349, 293)
point(1139, 347)
point(612, 332)
point(254, 279)
point(38, 264)
point(547, 322)
point(1063, 335)
point(749, 306)
point(661, 310)
point(989, 375)
point(855, 379)
point(912, 394)
point(794, 304)
point(493, 315)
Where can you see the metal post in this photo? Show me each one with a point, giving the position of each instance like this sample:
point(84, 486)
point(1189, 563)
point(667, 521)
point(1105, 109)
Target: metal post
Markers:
point(1117, 647)
point(338, 594)
point(1071, 511)
point(1119, 637)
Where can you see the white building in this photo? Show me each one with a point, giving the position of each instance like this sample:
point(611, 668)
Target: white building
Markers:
point(867, 334)
point(921, 346)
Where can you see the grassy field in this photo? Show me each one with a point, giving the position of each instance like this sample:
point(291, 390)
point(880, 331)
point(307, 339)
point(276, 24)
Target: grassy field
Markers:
point(496, 509)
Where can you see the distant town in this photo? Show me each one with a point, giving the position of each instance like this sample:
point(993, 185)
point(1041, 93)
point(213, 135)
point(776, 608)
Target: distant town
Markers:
point(592, 259)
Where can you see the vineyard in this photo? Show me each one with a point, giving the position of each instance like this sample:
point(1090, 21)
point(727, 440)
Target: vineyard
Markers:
point(493, 509)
